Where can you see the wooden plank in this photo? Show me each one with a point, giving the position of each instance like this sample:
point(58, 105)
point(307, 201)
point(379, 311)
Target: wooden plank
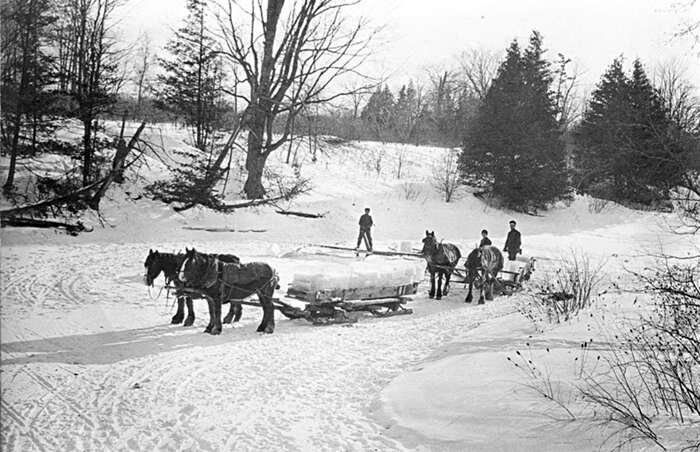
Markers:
point(377, 252)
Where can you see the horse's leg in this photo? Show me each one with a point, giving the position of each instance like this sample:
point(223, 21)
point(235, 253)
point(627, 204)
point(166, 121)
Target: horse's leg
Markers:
point(469, 294)
point(238, 312)
point(268, 321)
point(180, 314)
point(190, 312)
point(481, 292)
point(210, 305)
point(489, 290)
point(438, 296)
point(446, 289)
point(216, 327)
point(231, 312)
point(431, 294)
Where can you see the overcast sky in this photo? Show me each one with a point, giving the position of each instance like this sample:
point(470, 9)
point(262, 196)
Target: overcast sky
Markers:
point(422, 33)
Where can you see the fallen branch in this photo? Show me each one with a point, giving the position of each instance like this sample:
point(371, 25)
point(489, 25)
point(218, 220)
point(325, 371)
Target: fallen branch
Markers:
point(301, 214)
point(251, 203)
point(72, 229)
point(76, 195)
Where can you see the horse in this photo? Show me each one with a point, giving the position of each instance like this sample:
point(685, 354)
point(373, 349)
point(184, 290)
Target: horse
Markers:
point(221, 282)
point(442, 258)
point(169, 264)
point(482, 266)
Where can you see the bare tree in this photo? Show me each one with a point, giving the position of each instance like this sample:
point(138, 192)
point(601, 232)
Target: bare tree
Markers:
point(290, 54)
point(477, 68)
point(142, 67)
point(445, 177)
point(25, 66)
point(566, 93)
point(88, 63)
point(678, 94)
point(690, 25)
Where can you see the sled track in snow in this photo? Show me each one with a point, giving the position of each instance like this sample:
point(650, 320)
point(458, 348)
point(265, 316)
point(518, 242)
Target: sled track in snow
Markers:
point(174, 388)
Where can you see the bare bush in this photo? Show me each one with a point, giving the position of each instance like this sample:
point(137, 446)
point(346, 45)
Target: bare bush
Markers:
point(446, 176)
point(540, 380)
point(565, 292)
point(597, 205)
point(410, 190)
point(655, 367)
point(286, 186)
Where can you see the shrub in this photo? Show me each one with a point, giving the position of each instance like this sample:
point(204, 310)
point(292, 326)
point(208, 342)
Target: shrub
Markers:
point(565, 292)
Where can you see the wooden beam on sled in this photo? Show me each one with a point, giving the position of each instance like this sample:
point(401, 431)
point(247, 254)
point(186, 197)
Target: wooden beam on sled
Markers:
point(379, 253)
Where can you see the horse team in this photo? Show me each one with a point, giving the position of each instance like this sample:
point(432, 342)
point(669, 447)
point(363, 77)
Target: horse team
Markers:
point(222, 278)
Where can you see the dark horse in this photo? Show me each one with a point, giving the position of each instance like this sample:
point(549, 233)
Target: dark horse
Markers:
point(169, 264)
point(483, 265)
point(442, 258)
point(222, 282)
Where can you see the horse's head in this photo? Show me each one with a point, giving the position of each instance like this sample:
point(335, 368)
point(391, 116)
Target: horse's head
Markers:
point(153, 266)
point(195, 268)
point(430, 244)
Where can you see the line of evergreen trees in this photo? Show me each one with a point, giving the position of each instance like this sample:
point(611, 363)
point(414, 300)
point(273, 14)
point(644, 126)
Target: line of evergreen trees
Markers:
point(627, 147)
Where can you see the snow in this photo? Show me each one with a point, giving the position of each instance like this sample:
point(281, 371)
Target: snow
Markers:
point(90, 360)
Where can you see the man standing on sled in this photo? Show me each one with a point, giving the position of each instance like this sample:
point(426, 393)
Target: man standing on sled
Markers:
point(366, 224)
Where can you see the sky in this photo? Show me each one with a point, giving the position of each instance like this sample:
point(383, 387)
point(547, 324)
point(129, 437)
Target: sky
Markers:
point(418, 34)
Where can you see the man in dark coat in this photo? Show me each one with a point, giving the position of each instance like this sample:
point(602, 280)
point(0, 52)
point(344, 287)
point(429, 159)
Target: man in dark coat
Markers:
point(512, 246)
point(485, 240)
point(366, 224)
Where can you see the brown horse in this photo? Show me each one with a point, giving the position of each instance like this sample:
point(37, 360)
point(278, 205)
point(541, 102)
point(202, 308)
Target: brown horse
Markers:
point(442, 258)
point(169, 264)
point(223, 283)
point(483, 265)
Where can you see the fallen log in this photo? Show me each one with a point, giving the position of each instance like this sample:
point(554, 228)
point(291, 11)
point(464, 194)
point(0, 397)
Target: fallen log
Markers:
point(72, 229)
point(301, 214)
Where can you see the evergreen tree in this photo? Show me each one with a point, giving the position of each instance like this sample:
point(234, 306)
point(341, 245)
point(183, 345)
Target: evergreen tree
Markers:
point(627, 147)
point(514, 148)
point(192, 85)
point(378, 114)
point(407, 111)
point(192, 89)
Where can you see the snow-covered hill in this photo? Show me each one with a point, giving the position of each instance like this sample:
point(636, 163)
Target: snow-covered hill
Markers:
point(91, 362)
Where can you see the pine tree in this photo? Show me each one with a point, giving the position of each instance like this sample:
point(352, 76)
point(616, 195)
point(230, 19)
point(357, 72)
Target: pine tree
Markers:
point(407, 110)
point(378, 114)
point(192, 85)
point(514, 149)
point(192, 89)
point(628, 149)
point(598, 137)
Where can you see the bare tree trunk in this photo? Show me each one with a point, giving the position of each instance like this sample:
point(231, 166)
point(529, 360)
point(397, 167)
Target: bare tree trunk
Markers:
point(87, 151)
point(254, 164)
point(291, 140)
point(10, 182)
point(117, 167)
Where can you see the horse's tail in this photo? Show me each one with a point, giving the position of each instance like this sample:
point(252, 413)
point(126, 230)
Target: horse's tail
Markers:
point(275, 280)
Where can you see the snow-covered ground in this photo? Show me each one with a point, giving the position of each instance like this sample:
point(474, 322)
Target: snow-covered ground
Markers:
point(91, 362)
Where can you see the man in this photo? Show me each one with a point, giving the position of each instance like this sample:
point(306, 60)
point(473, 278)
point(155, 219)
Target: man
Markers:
point(366, 224)
point(512, 246)
point(485, 240)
